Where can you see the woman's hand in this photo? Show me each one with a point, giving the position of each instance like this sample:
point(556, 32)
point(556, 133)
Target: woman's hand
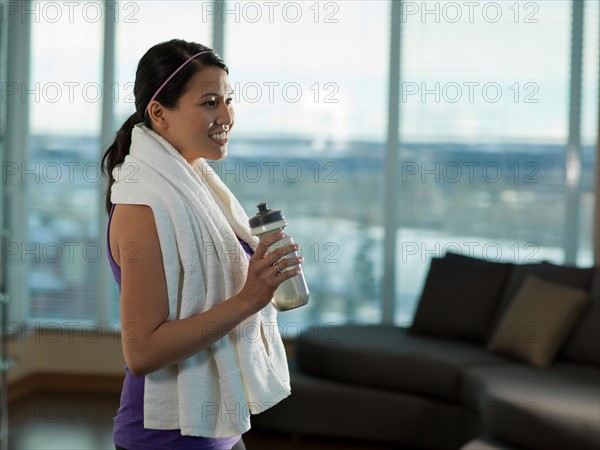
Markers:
point(266, 271)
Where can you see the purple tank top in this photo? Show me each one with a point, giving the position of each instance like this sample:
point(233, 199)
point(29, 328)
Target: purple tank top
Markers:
point(129, 431)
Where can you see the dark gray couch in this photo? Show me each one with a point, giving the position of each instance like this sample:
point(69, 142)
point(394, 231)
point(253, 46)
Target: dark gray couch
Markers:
point(422, 390)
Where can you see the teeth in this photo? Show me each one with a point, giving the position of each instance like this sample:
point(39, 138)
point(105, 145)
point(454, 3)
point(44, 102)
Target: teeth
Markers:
point(218, 136)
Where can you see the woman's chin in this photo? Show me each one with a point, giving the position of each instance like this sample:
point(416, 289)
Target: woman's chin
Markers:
point(212, 154)
point(222, 154)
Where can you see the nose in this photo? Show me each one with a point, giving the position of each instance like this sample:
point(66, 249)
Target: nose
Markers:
point(225, 115)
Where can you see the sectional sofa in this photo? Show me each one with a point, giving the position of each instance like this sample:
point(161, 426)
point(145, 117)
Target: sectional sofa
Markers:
point(498, 356)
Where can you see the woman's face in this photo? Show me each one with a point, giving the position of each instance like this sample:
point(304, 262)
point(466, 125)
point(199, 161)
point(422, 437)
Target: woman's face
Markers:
point(199, 125)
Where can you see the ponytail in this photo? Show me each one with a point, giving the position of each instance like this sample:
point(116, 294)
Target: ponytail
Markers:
point(115, 154)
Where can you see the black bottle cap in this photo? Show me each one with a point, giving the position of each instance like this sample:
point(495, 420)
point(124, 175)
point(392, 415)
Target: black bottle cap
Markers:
point(265, 216)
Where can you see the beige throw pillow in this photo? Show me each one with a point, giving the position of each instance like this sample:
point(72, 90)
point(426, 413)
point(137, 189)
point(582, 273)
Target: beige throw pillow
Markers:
point(538, 320)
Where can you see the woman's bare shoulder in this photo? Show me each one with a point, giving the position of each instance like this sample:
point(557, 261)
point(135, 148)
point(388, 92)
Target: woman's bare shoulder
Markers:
point(132, 217)
point(131, 224)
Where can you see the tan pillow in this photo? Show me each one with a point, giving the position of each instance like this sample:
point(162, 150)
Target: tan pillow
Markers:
point(538, 320)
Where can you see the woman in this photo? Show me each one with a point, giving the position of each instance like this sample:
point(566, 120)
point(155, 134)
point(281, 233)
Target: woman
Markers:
point(198, 333)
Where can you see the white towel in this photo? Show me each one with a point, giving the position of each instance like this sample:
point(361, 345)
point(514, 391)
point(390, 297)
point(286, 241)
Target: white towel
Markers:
point(214, 392)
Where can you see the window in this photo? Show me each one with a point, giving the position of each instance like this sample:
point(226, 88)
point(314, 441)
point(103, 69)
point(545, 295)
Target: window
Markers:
point(484, 132)
point(481, 158)
point(60, 170)
point(309, 140)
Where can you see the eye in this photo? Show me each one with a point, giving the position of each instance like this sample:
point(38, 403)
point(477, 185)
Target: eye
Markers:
point(211, 103)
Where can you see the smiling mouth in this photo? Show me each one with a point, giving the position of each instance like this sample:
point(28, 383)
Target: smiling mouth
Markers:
point(218, 136)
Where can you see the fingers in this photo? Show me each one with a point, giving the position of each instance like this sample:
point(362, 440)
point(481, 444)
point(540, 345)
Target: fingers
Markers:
point(280, 276)
point(269, 267)
point(275, 274)
point(264, 245)
point(290, 261)
point(276, 255)
point(276, 263)
point(273, 256)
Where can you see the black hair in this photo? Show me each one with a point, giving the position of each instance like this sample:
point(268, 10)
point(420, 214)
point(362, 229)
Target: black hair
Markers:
point(157, 64)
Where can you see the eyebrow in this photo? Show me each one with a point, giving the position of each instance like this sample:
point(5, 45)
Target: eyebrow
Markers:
point(216, 94)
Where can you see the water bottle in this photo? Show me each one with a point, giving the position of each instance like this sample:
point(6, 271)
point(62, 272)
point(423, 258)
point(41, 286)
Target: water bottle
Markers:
point(293, 292)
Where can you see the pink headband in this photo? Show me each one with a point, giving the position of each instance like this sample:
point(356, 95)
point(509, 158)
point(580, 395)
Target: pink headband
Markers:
point(172, 75)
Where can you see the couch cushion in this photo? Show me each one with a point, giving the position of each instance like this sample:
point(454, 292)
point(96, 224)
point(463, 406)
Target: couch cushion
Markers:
point(390, 358)
point(485, 443)
point(583, 344)
point(567, 275)
point(538, 320)
point(329, 408)
point(551, 409)
point(460, 297)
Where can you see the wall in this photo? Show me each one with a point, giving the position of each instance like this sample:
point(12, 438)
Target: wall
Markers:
point(65, 352)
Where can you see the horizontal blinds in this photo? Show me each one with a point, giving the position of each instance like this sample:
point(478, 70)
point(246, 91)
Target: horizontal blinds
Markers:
point(481, 90)
point(484, 128)
point(61, 174)
point(309, 140)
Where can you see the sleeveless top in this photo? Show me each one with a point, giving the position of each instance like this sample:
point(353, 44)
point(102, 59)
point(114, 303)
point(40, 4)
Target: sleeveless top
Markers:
point(129, 431)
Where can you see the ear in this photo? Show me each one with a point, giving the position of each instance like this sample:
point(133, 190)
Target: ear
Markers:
point(158, 116)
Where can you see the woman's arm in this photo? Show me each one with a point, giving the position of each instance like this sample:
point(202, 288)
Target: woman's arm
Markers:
point(149, 341)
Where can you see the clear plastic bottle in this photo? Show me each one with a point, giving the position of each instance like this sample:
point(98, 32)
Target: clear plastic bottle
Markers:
point(293, 292)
